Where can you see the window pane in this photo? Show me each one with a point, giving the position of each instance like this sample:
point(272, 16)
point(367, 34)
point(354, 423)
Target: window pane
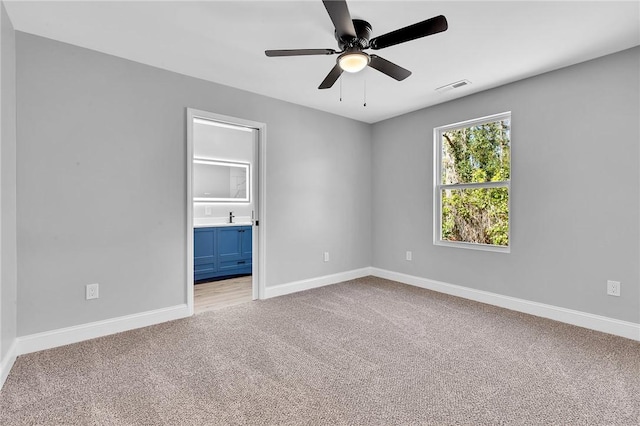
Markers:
point(478, 215)
point(479, 153)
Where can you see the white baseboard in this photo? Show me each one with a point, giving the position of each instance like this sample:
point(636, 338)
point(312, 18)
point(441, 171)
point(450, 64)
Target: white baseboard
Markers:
point(65, 336)
point(294, 287)
point(7, 362)
point(626, 329)
point(54, 338)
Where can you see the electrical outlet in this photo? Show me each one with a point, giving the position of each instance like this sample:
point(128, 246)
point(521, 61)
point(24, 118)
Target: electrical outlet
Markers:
point(207, 210)
point(409, 256)
point(326, 256)
point(92, 291)
point(613, 288)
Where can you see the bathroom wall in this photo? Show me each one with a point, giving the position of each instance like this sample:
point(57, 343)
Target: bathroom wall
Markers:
point(225, 144)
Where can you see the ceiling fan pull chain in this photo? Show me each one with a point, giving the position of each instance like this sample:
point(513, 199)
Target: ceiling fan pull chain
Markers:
point(365, 92)
point(340, 88)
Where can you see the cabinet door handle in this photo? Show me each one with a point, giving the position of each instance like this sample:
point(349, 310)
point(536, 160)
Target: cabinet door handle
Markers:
point(241, 262)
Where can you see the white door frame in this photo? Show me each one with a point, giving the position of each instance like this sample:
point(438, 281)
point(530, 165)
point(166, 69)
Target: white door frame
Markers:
point(259, 180)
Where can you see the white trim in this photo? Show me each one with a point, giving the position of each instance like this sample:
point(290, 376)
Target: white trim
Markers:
point(438, 186)
point(476, 185)
point(259, 240)
point(296, 286)
point(260, 231)
point(64, 336)
point(78, 333)
point(482, 120)
point(473, 246)
point(604, 324)
point(189, 231)
point(7, 362)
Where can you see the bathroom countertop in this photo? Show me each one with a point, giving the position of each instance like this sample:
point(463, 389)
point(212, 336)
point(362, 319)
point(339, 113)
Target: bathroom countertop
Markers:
point(219, 225)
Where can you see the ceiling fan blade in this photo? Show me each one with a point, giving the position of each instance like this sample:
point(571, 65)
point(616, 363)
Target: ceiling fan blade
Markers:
point(341, 18)
point(331, 78)
point(388, 68)
point(299, 52)
point(421, 29)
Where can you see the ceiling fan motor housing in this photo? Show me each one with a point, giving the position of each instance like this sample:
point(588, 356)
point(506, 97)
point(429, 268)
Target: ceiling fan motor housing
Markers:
point(363, 34)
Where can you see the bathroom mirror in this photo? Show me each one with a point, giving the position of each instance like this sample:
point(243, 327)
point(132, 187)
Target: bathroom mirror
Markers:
point(220, 181)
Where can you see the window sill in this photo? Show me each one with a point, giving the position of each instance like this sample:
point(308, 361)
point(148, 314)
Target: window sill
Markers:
point(473, 246)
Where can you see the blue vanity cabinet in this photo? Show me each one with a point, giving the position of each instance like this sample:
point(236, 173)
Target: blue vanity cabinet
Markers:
point(234, 250)
point(229, 243)
point(204, 253)
point(221, 251)
point(246, 247)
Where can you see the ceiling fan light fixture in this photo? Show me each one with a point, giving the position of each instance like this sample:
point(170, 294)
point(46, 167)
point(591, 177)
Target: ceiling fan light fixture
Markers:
point(353, 61)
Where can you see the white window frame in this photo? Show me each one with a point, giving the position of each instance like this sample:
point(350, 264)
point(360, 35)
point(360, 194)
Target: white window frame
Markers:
point(438, 186)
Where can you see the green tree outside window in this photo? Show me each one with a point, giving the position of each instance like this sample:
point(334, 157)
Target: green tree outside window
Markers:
point(474, 177)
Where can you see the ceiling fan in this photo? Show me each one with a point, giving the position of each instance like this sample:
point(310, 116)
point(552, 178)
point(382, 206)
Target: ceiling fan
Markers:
point(353, 36)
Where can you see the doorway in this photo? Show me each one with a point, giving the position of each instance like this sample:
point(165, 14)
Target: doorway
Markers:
point(225, 210)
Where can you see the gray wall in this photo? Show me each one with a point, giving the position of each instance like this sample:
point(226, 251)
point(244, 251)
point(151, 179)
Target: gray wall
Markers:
point(102, 187)
point(101, 184)
point(8, 265)
point(575, 198)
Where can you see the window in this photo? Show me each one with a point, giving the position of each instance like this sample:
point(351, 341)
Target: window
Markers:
point(472, 183)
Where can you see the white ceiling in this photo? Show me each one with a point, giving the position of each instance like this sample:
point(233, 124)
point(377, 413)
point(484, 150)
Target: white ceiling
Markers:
point(487, 43)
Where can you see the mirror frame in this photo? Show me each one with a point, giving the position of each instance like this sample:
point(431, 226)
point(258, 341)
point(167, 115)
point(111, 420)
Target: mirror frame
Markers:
point(246, 166)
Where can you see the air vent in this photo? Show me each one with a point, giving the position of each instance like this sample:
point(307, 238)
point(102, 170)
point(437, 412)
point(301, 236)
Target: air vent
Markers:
point(454, 85)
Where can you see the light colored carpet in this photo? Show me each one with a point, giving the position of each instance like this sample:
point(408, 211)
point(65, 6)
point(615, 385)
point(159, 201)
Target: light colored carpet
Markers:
point(368, 351)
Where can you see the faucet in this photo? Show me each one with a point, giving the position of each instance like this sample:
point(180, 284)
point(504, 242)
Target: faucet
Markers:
point(231, 216)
